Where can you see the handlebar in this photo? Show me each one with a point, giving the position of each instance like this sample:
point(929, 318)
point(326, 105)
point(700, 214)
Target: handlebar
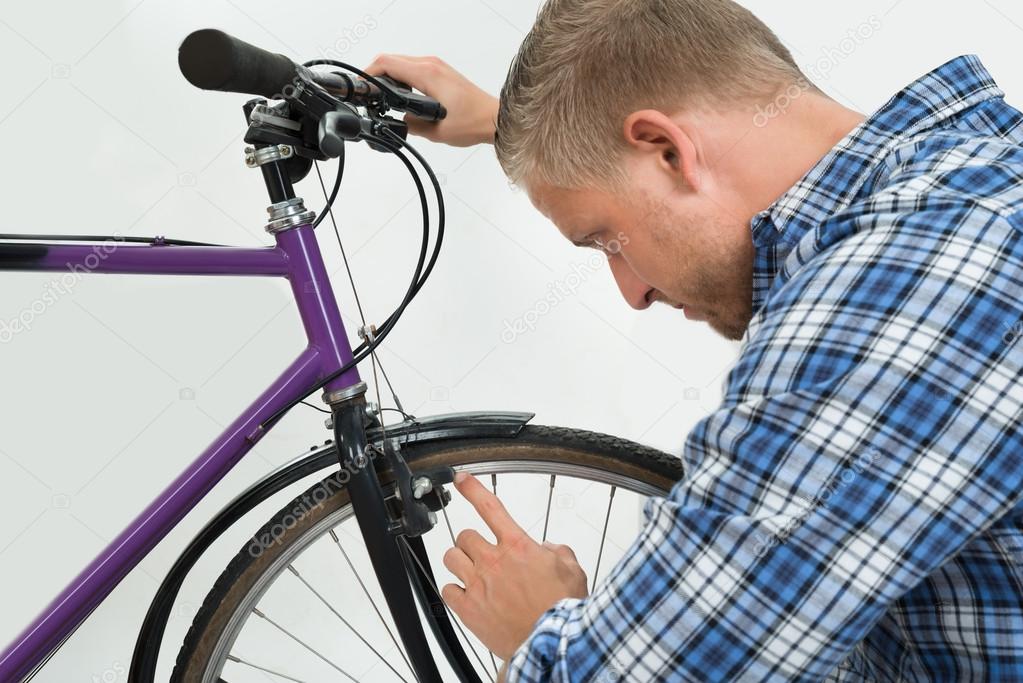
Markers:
point(213, 60)
point(351, 88)
point(318, 114)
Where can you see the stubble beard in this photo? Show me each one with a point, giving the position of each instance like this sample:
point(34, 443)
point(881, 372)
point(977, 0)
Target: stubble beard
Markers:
point(722, 272)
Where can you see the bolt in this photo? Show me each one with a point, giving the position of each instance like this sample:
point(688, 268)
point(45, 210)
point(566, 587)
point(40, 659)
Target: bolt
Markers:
point(371, 408)
point(368, 332)
point(421, 486)
point(329, 422)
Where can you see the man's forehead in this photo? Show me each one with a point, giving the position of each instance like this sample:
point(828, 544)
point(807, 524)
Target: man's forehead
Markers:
point(538, 200)
point(558, 203)
point(540, 195)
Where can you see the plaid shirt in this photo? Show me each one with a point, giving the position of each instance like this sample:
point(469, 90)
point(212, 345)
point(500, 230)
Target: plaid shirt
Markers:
point(852, 511)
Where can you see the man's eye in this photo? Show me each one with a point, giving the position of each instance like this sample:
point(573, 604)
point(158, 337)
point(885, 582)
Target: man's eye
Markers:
point(591, 241)
point(610, 247)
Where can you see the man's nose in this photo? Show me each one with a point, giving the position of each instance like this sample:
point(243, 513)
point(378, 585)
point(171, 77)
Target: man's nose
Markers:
point(635, 290)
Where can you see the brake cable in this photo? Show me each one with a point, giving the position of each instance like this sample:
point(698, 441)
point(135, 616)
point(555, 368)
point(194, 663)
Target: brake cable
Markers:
point(421, 274)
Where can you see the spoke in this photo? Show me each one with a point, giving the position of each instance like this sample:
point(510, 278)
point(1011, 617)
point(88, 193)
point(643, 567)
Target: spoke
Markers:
point(451, 533)
point(257, 667)
point(303, 644)
point(373, 603)
point(603, 536)
point(345, 621)
point(547, 517)
point(493, 486)
point(433, 585)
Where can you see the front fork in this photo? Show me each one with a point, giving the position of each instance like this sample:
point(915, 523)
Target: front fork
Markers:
point(393, 540)
point(391, 529)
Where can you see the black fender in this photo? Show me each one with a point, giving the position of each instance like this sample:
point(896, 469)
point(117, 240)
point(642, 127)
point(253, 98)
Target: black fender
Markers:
point(435, 428)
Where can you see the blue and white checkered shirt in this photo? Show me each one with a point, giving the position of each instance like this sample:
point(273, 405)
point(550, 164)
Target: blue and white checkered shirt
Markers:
point(852, 511)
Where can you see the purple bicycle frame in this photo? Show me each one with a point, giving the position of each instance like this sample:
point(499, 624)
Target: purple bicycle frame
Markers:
point(296, 257)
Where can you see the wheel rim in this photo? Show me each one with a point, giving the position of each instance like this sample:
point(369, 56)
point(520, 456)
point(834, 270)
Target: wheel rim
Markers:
point(248, 608)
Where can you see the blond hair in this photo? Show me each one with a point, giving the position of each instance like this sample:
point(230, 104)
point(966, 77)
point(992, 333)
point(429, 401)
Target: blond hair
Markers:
point(587, 64)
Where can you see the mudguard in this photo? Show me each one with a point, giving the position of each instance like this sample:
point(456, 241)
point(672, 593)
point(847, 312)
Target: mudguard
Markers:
point(418, 430)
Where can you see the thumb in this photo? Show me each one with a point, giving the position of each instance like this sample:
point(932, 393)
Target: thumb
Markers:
point(418, 126)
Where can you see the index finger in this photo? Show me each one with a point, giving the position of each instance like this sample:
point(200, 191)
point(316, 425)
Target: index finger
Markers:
point(489, 506)
point(399, 67)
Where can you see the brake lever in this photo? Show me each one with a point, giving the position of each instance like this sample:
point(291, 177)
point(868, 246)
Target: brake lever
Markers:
point(411, 102)
point(390, 94)
point(337, 127)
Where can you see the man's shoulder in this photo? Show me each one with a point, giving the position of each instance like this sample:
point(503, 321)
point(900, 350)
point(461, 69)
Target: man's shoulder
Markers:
point(949, 169)
point(943, 216)
point(941, 182)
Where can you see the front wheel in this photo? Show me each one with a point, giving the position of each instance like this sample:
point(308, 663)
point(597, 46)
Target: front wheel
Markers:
point(300, 601)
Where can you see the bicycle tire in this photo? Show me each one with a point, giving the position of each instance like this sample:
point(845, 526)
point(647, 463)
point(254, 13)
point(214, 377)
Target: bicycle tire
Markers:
point(542, 446)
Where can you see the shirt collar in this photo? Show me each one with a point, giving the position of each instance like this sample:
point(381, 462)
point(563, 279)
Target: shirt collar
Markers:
point(838, 177)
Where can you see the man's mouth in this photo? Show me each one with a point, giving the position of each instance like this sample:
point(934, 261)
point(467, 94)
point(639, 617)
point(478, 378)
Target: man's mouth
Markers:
point(679, 307)
point(691, 313)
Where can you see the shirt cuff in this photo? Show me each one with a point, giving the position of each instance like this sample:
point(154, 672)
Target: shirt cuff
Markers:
point(541, 658)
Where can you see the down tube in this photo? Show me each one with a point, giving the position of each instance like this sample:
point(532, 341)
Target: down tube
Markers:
point(94, 583)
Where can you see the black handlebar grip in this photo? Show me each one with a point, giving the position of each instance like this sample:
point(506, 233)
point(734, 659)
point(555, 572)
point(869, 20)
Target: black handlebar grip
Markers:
point(425, 108)
point(212, 60)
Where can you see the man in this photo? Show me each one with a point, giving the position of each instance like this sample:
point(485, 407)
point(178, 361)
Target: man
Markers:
point(852, 511)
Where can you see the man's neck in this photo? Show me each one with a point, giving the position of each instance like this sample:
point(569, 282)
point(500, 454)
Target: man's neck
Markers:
point(763, 156)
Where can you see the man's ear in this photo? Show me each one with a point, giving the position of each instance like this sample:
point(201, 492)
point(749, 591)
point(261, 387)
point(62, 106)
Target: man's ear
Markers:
point(652, 132)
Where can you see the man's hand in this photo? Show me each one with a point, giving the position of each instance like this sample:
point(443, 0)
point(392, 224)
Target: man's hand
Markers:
point(472, 113)
point(509, 585)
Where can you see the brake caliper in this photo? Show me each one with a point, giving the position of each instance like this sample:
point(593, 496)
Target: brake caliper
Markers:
point(417, 497)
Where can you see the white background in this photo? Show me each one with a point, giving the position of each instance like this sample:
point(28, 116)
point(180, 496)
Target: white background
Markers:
point(122, 381)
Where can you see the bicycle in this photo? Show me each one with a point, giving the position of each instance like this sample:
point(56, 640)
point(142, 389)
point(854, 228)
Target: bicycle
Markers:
point(387, 478)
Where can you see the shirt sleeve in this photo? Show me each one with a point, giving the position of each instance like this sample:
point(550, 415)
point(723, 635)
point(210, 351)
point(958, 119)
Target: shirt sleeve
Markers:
point(870, 429)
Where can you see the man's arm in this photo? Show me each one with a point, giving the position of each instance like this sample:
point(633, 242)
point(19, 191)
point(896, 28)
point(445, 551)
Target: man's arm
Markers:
point(870, 430)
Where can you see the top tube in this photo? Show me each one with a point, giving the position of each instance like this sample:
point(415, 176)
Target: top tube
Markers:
point(115, 256)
